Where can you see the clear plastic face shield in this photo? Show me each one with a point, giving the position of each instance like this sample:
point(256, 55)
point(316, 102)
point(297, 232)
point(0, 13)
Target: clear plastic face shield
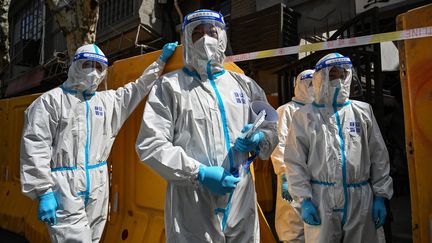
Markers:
point(332, 73)
point(90, 70)
point(204, 38)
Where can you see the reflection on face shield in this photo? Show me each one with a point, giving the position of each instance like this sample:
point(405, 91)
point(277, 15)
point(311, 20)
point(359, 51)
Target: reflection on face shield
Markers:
point(92, 65)
point(337, 73)
point(336, 76)
point(204, 29)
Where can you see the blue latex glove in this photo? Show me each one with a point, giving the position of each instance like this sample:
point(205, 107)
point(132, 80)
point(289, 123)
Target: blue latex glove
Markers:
point(285, 194)
point(217, 179)
point(310, 213)
point(167, 51)
point(379, 212)
point(47, 208)
point(251, 143)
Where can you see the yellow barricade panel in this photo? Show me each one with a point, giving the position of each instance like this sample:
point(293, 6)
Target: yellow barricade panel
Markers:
point(17, 106)
point(4, 154)
point(14, 207)
point(416, 80)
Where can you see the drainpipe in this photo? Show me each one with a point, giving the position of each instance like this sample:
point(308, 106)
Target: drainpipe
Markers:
point(178, 11)
point(181, 19)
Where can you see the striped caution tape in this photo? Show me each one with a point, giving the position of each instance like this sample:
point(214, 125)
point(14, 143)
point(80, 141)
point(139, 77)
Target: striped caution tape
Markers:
point(335, 44)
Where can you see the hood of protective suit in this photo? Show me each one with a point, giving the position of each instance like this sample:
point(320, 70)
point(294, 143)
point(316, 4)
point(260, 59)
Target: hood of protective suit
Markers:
point(86, 80)
point(336, 91)
point(303, 91)
point(207, 54)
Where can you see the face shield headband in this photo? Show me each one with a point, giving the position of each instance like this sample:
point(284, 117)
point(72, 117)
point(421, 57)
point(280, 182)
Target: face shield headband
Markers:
point(337, 61)
point(203, 16)
point(307, 76)
point(92, 57)
point(332, 80)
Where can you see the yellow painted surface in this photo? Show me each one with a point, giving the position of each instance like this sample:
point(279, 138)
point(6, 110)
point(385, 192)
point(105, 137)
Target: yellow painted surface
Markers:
point(416, 79)
point(17, 107)
point(3, 139)
point(137, 194)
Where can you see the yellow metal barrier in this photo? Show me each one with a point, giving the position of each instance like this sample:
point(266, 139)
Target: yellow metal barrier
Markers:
point(416, 80)
point(3, 140)
point(17, 212)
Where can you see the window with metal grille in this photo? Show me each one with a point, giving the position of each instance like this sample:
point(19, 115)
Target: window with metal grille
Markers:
point(114, 11)
point(27, 33)
point(31, 21)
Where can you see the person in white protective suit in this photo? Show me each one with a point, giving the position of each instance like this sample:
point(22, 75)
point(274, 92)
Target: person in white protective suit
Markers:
point(337, 162)
point(188, 135)
point(288, 223)
point(67, 137)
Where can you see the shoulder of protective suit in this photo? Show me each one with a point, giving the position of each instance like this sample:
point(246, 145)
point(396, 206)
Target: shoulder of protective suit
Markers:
point(240, 76)
point(361, 105)
point(174, 74)
point(288, 107)
point(52, 94)
point(172, 77)
point(173, 80)
point(307, 108)
point(284, 107)
point(47, 99)
point(363, 109)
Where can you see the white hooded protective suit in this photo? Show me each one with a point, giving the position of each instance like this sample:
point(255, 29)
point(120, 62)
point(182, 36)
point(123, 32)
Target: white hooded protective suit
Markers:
point(192, 117)
point(336, 156)
point(67, 137)
point(288, 223)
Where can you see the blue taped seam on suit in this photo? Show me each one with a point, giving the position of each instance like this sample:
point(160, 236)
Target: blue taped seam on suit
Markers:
point(71, 91)
point(298, 103)
point(211, 77)
point(63, 168)
point(222, 111)
point(342, 148)
point(350, 185)
point(318, 105)
point(96, 165)
point(356, 185)
point(337, 105)
point(322, 183)
point(87, 155)
point(191, 73)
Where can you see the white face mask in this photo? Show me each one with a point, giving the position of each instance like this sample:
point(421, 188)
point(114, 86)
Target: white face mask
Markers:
point(92, 79)
point(206, 48)
point(336, 83)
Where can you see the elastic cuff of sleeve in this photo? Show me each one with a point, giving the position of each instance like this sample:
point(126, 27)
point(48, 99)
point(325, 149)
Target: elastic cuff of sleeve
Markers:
point(43, 193)
point(303, 199)
point(48, 194)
